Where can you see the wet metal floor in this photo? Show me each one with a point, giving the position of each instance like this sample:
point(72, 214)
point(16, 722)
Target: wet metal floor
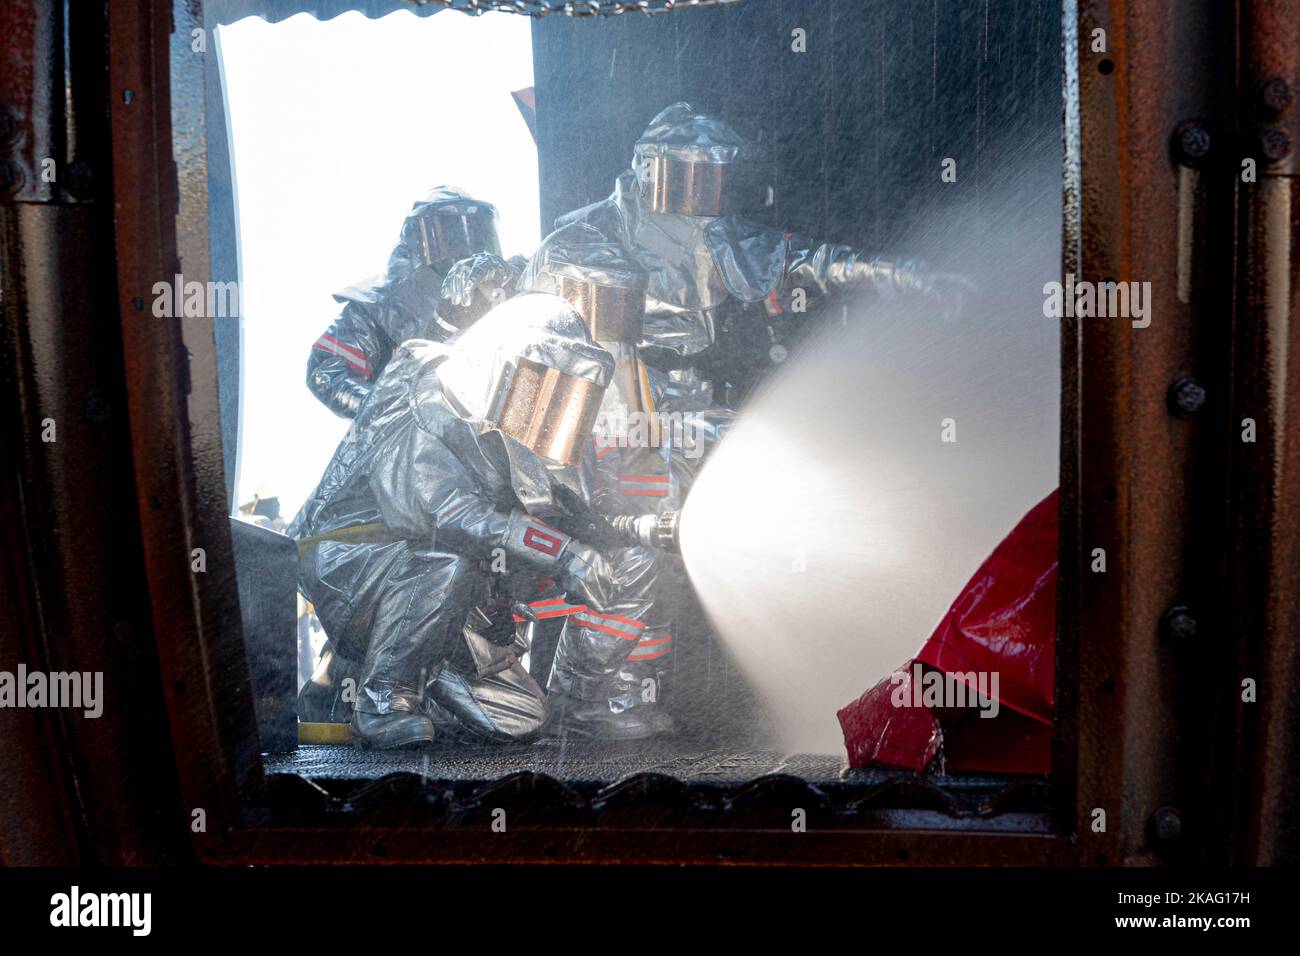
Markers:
point(585, 763)
point(594, 765)
point(586, 776)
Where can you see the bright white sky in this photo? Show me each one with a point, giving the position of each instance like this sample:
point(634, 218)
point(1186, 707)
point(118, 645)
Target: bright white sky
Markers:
point(336, 128)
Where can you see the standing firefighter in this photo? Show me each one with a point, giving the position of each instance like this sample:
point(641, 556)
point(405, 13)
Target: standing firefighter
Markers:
point(434, 521)
point(727, 297)
point(448, 237)
point(645, 462)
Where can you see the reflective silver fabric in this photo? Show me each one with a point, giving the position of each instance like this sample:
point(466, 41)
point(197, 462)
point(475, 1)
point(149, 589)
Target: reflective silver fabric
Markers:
point(633, 478)
point(381, 313)
point(697, 264)
point(422, 498)
point(493, 697)
point(540, 328)
point(646, 460)
point(685, 134)
point(617, 595)
point(581, 252)
point(473, 286)
point(703, 269)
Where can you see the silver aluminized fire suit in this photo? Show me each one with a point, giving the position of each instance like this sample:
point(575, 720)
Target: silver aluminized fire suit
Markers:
point(645, 460)
point(430, 525)
point(448, 236)
point(724, 300)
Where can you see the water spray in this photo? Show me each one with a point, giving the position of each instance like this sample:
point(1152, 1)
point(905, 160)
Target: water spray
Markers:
point(828, 532)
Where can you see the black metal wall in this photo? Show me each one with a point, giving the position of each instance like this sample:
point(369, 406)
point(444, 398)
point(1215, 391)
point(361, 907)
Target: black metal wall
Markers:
point(857, 126)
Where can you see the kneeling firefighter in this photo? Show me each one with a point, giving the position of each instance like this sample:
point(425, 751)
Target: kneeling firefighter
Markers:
point(444, 273)
point(435, 520)
point(645, 463)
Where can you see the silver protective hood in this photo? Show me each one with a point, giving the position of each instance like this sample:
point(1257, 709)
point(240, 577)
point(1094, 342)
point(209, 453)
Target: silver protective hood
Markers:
point(407, 255)
point(596, 276)
point(682, 132)
point(541, 329)
point(689, 163)
point(529, 370)
point(693, 263)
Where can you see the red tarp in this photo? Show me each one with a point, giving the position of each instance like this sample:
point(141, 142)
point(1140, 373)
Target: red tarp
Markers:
point(1003, 622)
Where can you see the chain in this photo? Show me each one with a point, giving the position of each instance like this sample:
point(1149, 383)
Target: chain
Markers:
point(571, 8)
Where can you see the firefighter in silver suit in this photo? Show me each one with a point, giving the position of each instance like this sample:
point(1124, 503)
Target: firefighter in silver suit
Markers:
point(445, 271)
point(448, 237)
point(727, 297)
point(645, 462)
point(434, 522)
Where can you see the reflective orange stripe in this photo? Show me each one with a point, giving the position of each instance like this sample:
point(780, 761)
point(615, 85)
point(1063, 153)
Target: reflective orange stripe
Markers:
point(564, 610)
point(608, 630)
point(596, 626)
point(627, 486)
point(640, 625)
point(774, 307)
point(585, 611)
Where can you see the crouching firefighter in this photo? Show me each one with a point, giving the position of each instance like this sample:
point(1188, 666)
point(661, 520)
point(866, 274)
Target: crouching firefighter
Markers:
point(435, 521)
point(646, 461)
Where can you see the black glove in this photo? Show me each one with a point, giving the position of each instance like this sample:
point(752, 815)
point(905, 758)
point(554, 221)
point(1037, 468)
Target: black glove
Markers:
point(592, 529)
point(586, 525)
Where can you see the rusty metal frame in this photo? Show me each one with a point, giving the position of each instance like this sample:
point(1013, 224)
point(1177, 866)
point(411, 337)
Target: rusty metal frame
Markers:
point(1146, 723)
point(1133, 473)
point(1257, 753)
point(171, 386)
point(96, 791)
point(1200, 526)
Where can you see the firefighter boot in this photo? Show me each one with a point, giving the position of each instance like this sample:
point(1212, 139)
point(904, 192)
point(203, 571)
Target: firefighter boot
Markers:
point(392, 731)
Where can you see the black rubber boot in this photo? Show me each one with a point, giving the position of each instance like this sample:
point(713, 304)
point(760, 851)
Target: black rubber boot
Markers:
point(594, 720)
point(392, 731)
point(321, 699)
point(643, 709)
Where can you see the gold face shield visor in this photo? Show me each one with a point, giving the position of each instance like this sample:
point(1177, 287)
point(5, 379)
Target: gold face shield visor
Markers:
point(547, 411)
point(445, 235)
point(680, 187)
point(611, 314)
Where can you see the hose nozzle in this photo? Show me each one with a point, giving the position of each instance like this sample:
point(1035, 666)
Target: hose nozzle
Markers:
point(652, 530)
